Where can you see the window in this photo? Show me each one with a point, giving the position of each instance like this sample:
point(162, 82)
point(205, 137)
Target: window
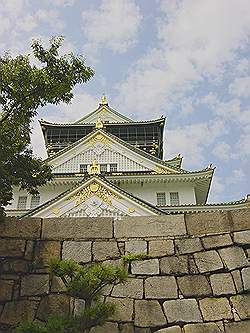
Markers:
point(83, 168)
point(103, 167)
point(161, 199)
point(22, 202)
point(174, 198)
point(113, 167)
point(35, 201)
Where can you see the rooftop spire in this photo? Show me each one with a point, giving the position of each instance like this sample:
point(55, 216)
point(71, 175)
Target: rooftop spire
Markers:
point(104, 100)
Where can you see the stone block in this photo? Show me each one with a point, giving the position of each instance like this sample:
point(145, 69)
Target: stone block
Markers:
point(18, 311)
point(238, 327)
point(161, 247)
point(161, 287)
point(173, 329)
point(131, 288)
point(215, 309)
point(142, 330)
point(150, 226)
point(77, 305)
point(136, 246)
point(45, 250)
point(29, 250)
point(11, 247)
point(35, 284)
point(208, 261)
point(105, 250)
point(241, 303)
point(237, 280)
point(106, 328)
point(57, 285)
point(124, 308)
point(53, 304)
point(194, 285)
point(222, 284)
point(240, 219)
point(216, 241)
point(145, 267)
point(202, 328)
point(26, 228)
point(182, 310)
point(79, 251)
point(176, 265)
point(233, 257)
point(242, 237)
point(188, 245)
point(77, 228)
point(245, 273)
point(126, 328)
point(6, 289)
point(15, 266)
point(148, 314)
point(208, 223)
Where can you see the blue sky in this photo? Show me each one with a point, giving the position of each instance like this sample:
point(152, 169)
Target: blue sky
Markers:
point(187, 60)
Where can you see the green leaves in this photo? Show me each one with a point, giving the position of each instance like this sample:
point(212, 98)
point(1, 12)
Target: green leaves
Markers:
point(24, 88)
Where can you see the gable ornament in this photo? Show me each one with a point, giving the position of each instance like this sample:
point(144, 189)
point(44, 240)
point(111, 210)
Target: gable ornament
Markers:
point(94, 169)
point(99, 123)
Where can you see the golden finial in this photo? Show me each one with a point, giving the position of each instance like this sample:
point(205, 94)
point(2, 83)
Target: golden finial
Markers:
point(99, 123)
point(94, 169)
point(104, 100)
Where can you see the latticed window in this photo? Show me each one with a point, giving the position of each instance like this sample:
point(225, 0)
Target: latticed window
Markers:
point(22, 201)
point(161, 198)
point(83, 168)
point(174, 198)
point(103, 167)
point(113, 167)
point(35, 201)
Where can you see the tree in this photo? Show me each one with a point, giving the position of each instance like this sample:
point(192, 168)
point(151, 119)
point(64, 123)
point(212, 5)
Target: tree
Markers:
point(23, 89)
point(85, 283)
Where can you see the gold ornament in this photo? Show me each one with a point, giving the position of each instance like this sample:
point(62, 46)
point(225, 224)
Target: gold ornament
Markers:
point(94, 169)
point(131, 210)
point(104, 100)
point(55, 210)
point(99, 123)
point(98, 137)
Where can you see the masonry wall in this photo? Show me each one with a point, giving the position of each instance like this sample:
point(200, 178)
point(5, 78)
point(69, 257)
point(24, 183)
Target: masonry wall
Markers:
point(196, 279)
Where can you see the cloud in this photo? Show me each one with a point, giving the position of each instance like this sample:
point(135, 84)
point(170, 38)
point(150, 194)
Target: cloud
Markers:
point(240, 87)
point(192, 141)
point(114, 25)
point(196, 43)
point(237, 176)
point(223, 151)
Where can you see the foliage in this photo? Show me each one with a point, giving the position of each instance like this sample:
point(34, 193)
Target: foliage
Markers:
point(84, 282)
point(127, 258)
point(24, 88)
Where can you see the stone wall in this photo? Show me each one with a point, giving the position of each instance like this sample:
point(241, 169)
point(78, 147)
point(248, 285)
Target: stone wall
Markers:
point(195, 279)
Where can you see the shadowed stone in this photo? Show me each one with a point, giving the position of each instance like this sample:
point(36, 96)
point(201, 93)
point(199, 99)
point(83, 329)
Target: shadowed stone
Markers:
point(105, 250)
point(123, 308)
point(35, 284)
point(106, 328)
point(127, 328)
point(53, 304)
point(233, 257)
point(147, 226)
point(240, 219)
point(215, 309)
point(216, 241)
point(208, 261)
point(148, 314)
point(136, 246)
point(174, 265)
point(161, 247)
point(238, 327)
point(188, 245)
point(194, 285)
point(131, 288)
point(241, 304)
point(205, 223)
point(6, 288)
point(25, 228)
point(222, 284)
point(161, 287)
point(182, 310)
point(202, 328)
point(18, 311)
point(45, 250)
point(78, 251)
point(77, 228)
point(145, 267)
point(246, 278)
point(11, 247)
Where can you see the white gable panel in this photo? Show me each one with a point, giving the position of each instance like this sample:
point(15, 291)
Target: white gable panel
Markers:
point(105, 114)
point(108, 156)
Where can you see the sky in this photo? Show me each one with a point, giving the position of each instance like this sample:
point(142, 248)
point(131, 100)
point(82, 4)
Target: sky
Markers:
point(187, 60)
